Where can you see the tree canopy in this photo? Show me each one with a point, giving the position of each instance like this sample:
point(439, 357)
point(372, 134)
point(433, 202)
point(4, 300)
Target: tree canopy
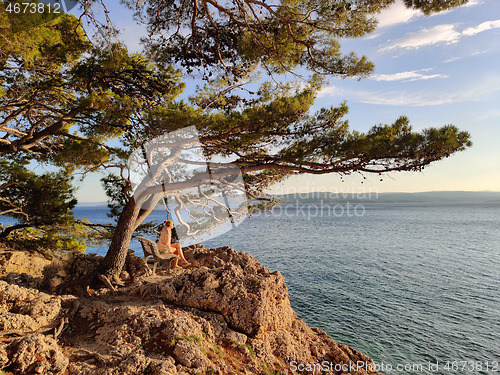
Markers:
point(279, 36)
point(88, 107)
point(61, 100)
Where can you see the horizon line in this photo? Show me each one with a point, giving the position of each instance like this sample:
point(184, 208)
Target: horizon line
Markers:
point(385, 192)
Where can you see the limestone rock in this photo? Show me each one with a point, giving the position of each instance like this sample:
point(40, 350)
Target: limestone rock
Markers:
point(14, 261)
point(225, 315)
point(189, 355)
point(26, 309)
point(67, 272)
point(36, 355)
point(251, 298)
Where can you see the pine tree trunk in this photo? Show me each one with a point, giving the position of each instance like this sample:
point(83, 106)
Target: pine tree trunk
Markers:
point(117, 254)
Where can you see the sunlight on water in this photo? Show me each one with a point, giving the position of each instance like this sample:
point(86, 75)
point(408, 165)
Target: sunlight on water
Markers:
point(406, 284)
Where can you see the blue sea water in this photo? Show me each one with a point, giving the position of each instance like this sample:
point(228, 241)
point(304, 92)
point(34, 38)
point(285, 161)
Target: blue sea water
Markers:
point(414, 286)
point(411, 285)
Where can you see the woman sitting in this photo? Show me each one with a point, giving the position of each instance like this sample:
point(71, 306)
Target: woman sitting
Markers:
point(165, 245)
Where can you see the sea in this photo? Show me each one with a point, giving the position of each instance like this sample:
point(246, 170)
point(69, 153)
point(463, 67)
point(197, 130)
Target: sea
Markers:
point(415, 286)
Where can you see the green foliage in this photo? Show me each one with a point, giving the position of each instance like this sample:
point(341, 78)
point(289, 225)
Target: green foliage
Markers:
point(62, 99)
point(116, 189)
point(237, 37)
point(432, 6)
point(193, 339)
point(45, 199)
point(273, 136)
point(55, 81)
point(51, 239)
point(269, 369)
point(40, 38)
point(241, 36)
point(42, 204)
point(218, 350)
point(37, 100)
point(126, 86)
point(250, 350)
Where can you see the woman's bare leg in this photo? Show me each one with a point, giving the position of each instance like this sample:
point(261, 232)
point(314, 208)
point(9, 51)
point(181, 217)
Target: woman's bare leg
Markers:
point(172, 250)
point(177, 250)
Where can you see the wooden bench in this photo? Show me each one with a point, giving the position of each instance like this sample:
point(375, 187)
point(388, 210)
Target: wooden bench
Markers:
point(150, 249)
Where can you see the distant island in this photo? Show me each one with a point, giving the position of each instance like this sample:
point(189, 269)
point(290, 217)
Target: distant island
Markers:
point(374, 197)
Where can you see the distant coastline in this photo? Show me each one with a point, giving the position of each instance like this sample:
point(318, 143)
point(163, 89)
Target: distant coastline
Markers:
point(91, 204)
point(374, 197)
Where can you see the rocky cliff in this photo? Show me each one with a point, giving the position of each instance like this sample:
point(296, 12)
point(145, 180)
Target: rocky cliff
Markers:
point(227, 314)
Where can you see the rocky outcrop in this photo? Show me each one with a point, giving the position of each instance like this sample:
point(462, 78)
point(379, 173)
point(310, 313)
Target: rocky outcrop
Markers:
point(21, 262)
point(250, 298)
point(225, 315)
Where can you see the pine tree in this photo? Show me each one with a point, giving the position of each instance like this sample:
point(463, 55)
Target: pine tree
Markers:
point(69, 103)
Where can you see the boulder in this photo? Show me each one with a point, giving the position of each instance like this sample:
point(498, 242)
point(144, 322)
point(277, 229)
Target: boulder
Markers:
point(252, 299)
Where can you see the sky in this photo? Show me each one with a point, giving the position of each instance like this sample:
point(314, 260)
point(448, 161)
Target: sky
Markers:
point(436, 70)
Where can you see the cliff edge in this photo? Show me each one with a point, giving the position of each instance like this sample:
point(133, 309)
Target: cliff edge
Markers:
point(227, 314)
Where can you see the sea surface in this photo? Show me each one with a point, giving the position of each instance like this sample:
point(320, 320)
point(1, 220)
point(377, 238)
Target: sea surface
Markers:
point(414, 286)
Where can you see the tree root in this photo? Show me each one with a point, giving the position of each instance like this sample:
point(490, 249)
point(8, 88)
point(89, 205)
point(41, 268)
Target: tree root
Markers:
point(117, 280)
point(96, 277)
point(106, 282)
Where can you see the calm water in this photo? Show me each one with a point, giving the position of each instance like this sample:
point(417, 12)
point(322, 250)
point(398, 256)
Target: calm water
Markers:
point(407, 284)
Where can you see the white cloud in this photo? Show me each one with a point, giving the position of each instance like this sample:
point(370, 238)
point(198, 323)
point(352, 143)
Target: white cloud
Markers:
point(430, 98)
point(434, 35)
point(440, 34)
point(397, 13)
point(404, 99)
point(456, 58)
point(452, 60)
point(329, 91)
point(478, 53)
point(372, 36)
point(472, 3)
point(413, 75)
point(488, 25)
